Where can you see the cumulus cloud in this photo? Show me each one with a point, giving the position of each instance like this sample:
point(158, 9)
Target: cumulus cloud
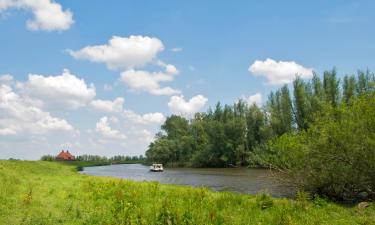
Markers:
point(18, 115)
point(122, 52)
point(47, 14)
point(145, 119)
point(139, 80)
point(114, 106)
point(104, 129)
point(129, 54)
point(253, 99)
point(6, 79)
point(281, 72)
point(178, 105)
point(69, 90)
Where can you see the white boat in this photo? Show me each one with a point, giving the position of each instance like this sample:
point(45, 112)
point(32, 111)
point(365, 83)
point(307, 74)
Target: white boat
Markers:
point(156, 168)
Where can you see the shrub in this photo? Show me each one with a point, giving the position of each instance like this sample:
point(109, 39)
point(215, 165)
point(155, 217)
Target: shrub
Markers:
point(264, 201)
point(335, 157)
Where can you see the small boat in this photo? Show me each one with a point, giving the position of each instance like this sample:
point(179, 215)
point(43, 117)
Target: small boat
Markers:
point(156, 168)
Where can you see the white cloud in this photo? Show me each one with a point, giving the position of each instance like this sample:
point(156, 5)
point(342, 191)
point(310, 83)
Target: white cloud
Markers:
point(128, 54)
point(48, 15)
point(122, 52)
point(280, 72)
point(253, 99)
point(146, 119)
point(179, 106)
point(139, 80)
point(108, 106)
point(7, 131)
point(145, 136)
point(6, 79)
point(18, 115)
point(176, 49)
point(66, 90)
point(169, 68)
point(103, 128)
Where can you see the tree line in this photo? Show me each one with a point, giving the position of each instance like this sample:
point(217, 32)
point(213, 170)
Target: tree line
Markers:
point(100, 159)
point(320, 132)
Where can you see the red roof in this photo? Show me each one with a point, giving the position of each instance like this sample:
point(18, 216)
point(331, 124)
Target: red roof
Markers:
point(65, 156)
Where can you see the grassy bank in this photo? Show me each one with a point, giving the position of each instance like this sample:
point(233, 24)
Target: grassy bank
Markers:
point(54, 193)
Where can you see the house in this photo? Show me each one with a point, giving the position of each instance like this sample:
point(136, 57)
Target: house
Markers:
point(65, 156)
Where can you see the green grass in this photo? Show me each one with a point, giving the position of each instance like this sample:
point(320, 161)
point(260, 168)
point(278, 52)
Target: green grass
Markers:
point(35, 192)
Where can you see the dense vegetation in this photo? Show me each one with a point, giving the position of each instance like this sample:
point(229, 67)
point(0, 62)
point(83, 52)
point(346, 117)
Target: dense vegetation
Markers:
point(53, 193)
point(322, 134)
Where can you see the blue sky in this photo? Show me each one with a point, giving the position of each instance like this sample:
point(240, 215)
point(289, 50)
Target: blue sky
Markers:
point(211, 45)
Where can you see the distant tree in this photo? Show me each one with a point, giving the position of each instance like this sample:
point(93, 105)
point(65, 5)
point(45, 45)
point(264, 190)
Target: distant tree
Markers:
point(48, 158)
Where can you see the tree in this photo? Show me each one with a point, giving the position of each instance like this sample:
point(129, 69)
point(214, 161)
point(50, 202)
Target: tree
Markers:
point(301, 110)
point(256, 127)
point(175, 126)
point(349, 89)
point(286, 110)
point(335, 156)
point(331, 87)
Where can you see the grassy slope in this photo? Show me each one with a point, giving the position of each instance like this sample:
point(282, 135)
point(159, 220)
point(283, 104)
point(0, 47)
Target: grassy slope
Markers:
point(53, 193)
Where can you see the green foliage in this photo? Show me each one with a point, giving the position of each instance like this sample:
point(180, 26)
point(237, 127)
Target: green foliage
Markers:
point(322, 136)
point(335, 156)
point(53, 193)
point(96, 160)
point(301, 107)
point(264, 201)
point(48, 158)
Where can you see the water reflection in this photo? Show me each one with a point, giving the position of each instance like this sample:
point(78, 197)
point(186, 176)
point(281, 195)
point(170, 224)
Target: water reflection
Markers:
point(243, 180)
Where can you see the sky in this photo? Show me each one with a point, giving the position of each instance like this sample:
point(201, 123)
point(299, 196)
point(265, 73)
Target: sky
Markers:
point(100, 77)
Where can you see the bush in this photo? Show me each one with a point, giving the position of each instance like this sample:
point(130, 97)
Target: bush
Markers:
point(264, 201)
point(335, 157)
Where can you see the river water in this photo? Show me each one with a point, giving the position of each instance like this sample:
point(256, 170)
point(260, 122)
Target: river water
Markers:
point(242, 180)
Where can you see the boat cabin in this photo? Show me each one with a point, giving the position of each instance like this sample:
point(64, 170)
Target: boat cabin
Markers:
point(156, 168)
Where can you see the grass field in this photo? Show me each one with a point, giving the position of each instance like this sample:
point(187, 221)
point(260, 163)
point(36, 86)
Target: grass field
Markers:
point(35, 192)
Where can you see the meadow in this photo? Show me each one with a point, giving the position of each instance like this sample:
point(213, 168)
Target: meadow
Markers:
point(37, 192)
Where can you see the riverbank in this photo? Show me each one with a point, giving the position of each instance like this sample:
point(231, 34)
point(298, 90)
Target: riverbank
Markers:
point(37, 192)
point(81, 164)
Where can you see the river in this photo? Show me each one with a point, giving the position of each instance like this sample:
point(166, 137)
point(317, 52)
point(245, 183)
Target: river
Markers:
point(242, 180)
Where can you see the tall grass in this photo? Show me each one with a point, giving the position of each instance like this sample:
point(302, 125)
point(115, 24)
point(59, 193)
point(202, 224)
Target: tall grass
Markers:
point(53, 193)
